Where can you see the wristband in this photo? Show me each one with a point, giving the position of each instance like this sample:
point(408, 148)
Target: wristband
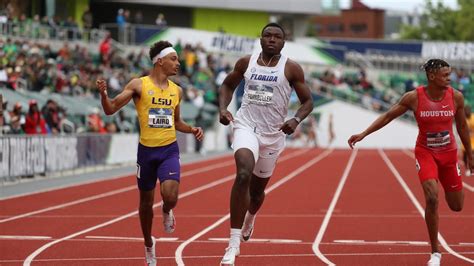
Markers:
point(297, 119)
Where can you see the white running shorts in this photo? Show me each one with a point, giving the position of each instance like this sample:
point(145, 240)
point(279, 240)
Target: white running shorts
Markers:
point(265, 149)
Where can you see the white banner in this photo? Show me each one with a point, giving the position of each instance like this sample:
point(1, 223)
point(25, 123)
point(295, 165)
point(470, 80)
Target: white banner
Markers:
point(18, 162)
point(61, 153)
point(35, 157)
point(123, 148)
point(463, 51)
point(216, 42)
point(4, 157)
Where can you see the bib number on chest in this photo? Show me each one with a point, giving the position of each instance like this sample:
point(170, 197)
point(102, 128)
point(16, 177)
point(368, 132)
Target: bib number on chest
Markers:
point(160, 118)
point(437, 139)
point(260, 94)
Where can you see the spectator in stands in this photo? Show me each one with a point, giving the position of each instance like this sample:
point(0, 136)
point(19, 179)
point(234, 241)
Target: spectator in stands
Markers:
point(123, 126)
point(105, 49)
point(34, 121)
point(3, 75)
point(111, 128)
point(15, 126)
point(138, 18)
point(4, 111)
point(95, 122)
point(120, 19)
point(17, 111)
point(87, 19)
point(161, 21)
point(51, 115)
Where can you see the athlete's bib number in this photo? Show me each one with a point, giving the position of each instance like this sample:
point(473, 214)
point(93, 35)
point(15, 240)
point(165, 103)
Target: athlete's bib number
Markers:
point(260, 94)
point(160, 118)
point(437, 139)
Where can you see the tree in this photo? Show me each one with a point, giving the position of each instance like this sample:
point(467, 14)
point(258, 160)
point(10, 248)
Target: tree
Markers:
point(439, 22)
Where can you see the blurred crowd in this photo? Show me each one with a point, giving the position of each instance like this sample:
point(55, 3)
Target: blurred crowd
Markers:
point(378, 94)
point(28, 65)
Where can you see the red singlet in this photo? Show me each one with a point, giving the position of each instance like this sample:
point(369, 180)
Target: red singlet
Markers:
point(435, 150)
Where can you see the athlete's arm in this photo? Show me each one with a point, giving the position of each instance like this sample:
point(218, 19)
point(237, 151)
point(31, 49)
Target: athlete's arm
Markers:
point(182, 126)
point(295, 75)
point(113, 105)
point(226, 91)
point(462, 128)
point(406, 103)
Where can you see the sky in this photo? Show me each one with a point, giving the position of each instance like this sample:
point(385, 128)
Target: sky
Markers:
point(405, 5)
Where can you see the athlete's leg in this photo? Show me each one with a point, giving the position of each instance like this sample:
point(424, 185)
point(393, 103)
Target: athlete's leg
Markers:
point(257, 196)
point(428, 174)
point(455, 200)
point(246, 149)
point(239, 197)
point(145, 212)
point(451, 179)
point(430, 189)
point(169, 173)
point(239, 201)
point(169, 194)
point(257, 193)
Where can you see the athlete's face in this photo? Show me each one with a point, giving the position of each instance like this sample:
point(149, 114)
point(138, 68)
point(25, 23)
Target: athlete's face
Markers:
point(272, 40)
point(441, 78)
point(170, 64)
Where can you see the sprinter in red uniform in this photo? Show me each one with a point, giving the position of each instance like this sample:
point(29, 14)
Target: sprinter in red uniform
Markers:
point(435, 107)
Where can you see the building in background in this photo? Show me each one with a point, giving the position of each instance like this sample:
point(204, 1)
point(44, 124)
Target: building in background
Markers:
point(360, 21)
point(394, 19)
point(238, 17)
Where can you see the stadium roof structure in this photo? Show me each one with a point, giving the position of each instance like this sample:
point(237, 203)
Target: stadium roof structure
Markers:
point(308, 7)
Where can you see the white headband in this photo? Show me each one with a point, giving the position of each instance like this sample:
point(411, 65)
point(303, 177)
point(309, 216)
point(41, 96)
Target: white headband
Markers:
point(163, 53)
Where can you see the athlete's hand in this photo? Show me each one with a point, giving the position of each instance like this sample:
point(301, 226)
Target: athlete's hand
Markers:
point(198, 133)
point(225, 117)
point(289, 126)
point(354, 139)
point(470, 166)
point(102, 86)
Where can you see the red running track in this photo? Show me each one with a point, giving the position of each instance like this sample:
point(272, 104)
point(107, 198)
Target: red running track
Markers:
point(322, 207)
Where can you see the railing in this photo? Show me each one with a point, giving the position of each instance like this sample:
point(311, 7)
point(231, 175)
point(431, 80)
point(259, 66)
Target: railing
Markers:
point(131, 34)
point(353, 97)
point(38, 31)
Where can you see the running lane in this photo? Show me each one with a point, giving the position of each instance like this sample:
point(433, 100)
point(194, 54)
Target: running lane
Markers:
point(65, 218)
point(455, 227)
point(287, 220)
point(374, 222)
point(116, 238)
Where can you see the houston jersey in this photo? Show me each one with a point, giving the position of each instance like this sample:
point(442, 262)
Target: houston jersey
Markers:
point(435, 121)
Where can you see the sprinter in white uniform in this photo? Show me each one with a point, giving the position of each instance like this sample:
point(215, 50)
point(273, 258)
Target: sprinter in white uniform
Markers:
point(259, 126)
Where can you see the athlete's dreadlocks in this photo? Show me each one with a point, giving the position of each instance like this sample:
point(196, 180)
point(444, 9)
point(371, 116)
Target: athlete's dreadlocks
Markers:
point(434, 65)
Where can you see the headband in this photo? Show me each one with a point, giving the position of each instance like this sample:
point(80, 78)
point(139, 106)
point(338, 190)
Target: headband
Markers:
point(163, 53)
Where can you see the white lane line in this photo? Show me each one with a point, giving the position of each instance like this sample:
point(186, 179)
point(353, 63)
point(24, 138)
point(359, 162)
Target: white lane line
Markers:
point(332, 205)
point(260, 240)
point(418, 205)
point(164, 258)
point(30, 258)
point(131, 173)
point(179, 251)
point(110, 193)
point(138, 239)
point(24, 237)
